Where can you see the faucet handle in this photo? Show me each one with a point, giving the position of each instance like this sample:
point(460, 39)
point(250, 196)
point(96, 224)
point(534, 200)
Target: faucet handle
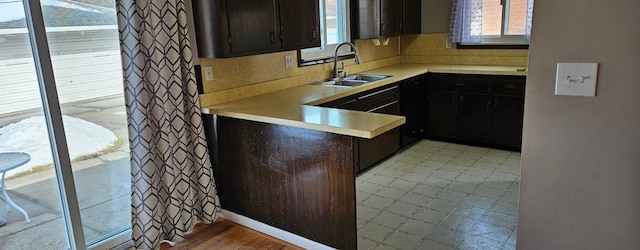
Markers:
point(342, 69)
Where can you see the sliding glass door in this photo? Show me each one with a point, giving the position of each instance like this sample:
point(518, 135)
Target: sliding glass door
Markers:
point(62, 103)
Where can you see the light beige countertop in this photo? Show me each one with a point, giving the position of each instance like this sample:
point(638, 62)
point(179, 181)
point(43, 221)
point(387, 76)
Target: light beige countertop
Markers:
point(295, 106)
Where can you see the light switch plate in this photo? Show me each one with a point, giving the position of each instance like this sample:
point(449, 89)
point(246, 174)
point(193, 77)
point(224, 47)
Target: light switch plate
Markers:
point(576, 79)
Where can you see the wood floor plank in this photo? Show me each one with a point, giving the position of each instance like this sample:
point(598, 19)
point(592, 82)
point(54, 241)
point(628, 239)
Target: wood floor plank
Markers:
point(225, 234)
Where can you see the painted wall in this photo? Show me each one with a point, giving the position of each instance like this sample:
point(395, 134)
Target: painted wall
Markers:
point(435, 16)
point(580, 183)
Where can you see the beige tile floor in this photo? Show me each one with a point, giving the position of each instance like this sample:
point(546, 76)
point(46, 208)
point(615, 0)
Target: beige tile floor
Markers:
point(437, 195)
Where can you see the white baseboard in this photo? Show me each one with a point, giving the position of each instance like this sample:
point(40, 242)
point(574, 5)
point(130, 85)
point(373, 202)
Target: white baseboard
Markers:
point(272, 231)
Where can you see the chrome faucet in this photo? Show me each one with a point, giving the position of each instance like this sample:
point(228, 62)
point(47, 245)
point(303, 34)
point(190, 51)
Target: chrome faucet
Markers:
point(336, 70)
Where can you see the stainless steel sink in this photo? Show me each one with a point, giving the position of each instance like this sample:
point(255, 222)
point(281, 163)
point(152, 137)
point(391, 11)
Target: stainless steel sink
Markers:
point(367, 78)
point(352, 80)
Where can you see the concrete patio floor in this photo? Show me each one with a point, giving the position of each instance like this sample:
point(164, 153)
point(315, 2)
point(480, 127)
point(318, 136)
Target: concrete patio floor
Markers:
point(102, 186)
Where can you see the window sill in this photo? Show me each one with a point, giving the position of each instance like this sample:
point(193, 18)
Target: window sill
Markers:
point(492, 46)
point(302, 63)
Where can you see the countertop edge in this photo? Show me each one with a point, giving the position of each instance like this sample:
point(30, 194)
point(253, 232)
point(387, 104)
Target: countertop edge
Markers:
point(392, 122)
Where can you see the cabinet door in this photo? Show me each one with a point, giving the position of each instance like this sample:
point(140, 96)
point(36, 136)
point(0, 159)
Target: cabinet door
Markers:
point(373, 150)
point(413, 106)
point(443, 114)
point(411, 16)
point(253, 26)
point(390, 18)
point(505, 123)
point(299, 24)
point(383, 100)
point(472, 118)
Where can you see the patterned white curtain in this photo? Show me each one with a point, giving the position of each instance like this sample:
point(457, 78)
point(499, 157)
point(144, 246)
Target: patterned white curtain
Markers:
point(527, 33)
point(466, 21)
point(171, 174)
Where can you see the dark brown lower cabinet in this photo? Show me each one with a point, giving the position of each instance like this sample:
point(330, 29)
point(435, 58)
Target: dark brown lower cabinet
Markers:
point(413, 106)
point(484, 110)
point(371, 151)
point(506, 121)
point(443, 115)
point(298, 180)
point(472, 117)
point(383, 100)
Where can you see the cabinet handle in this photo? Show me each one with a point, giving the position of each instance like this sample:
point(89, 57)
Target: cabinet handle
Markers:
point(495, 102)
point(460, 84)
point(315, 36)
point(272, 35)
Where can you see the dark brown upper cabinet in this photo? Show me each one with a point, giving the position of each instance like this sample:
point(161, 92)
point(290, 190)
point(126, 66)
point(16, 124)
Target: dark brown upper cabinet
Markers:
point(384, 18)
point(390, 18)
point(253, 26)
point(298, 27)
point(230, 28)
point(411, 17)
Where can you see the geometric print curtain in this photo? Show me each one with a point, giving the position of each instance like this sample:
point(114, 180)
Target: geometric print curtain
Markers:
point(172, 184)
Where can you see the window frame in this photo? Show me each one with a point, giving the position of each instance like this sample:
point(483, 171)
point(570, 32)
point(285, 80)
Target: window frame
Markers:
point(324, 53)
point(504, 39)
point(501, 41)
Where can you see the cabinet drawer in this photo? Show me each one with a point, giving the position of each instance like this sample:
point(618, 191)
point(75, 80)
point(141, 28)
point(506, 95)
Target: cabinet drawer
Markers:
point(389, 109)
point(458, 83)
point(508, 86)
point(348, 102)
point(379, 98)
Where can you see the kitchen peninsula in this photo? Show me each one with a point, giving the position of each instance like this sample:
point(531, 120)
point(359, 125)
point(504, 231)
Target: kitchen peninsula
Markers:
point(282, 160)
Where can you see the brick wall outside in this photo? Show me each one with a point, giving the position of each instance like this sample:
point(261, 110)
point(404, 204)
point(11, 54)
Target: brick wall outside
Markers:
point(492, 17)
point(517, 17)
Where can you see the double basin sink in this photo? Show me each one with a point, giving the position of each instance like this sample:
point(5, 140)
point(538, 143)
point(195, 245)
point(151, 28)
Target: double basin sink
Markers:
point(352, 80)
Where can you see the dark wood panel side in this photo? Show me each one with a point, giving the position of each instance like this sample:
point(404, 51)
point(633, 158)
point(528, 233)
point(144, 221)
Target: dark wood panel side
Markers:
point(209, 122)
point(299, 180)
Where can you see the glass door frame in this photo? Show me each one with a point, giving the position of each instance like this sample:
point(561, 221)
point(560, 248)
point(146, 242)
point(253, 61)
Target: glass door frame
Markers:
point(59, 147)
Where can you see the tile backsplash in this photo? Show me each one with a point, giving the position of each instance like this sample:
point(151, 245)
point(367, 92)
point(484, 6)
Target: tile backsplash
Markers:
point(430, 48)
point(240, 77)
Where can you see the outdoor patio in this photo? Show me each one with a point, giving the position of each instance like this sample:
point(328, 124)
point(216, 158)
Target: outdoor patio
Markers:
point(102, 185)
